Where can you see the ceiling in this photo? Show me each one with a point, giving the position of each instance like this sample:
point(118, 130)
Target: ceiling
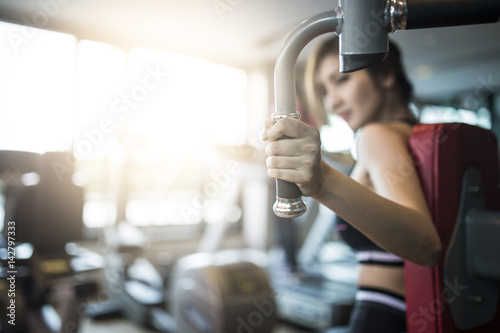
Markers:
point(249, 33)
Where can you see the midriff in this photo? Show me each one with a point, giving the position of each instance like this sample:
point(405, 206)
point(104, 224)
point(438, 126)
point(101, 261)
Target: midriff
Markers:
point(383, 277)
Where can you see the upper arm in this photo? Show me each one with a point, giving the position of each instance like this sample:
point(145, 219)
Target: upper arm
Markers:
point(386, 156)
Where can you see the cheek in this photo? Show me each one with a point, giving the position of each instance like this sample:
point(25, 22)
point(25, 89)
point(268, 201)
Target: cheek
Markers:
point(366, 98)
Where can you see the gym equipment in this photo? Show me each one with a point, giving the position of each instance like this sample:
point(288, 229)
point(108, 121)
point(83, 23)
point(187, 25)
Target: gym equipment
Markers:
point(217, 292)
point(363, 28)
point(459, 172)
point(227, 291)
point(460, 183)
point(49, 276)
point(210, 291)
point(135, 287)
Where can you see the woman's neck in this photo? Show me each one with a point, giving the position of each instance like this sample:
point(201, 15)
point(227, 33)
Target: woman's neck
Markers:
point(394, 108)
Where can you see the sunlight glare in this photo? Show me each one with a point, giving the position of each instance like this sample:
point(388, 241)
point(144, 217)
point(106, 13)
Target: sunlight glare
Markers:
point(37, 90)
point(198, 104)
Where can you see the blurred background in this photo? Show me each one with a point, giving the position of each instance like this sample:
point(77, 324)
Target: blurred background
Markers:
point(155, 108)
point(158, 86)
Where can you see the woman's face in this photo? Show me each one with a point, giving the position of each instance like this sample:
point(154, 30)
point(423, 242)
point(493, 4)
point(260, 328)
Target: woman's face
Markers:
point(352, 96)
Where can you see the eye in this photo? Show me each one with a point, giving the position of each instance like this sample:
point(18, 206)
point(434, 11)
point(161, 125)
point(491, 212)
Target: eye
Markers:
point(342, 79)
point(321, 90)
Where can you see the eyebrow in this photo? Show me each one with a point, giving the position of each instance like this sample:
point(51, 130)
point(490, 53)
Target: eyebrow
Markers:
point(333, 76)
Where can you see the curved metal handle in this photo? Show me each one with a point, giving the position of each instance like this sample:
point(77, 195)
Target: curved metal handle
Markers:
point(289, 201)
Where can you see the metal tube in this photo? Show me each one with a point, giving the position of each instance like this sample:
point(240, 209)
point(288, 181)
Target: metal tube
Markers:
point(284, 74)
point(446, 13)
point(289, 201)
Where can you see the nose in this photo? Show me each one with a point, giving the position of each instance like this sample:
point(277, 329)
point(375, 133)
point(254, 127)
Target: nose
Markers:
point(334, 100)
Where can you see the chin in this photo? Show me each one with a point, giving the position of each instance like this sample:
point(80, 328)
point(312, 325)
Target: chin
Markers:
point(354, 125)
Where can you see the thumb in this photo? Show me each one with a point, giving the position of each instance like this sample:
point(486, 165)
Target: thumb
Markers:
point(264, 135)
point(288, 127)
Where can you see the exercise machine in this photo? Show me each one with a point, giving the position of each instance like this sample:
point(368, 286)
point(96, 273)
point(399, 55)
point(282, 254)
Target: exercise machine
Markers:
point(363, 28)
point(45, 276)
point(463, 203)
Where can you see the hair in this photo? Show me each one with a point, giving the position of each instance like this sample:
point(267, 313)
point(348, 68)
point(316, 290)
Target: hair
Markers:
point(391, 64)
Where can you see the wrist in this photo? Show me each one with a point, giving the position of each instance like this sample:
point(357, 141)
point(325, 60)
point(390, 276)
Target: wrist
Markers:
point(326, 178)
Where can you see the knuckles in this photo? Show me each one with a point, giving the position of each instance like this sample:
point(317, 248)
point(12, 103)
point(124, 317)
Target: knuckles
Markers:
point(270, 162)
point(274, 173)
point(272, 149)
point(305, 147)
point(312, 148)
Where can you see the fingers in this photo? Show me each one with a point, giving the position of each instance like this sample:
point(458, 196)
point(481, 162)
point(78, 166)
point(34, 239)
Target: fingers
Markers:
point(268, 125)
point(283, 174)
point(283, 162)
point(289, 127)
point(285, 147)
point(299, 176)
point(281, 168)
point(304, 146)
point(294, 151)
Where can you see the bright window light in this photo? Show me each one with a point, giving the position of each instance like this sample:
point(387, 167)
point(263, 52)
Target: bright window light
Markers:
point(101, 85)
point(178, 108)
point(36, 89)
point(336, 136)
point(189, 103)
point(99, 210)
point(224, 116)
point(130, 117)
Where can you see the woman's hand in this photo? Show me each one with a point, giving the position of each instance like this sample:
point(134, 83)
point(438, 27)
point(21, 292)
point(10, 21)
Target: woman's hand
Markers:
point(295, 158)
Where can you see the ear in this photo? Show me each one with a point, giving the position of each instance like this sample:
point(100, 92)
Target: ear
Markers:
point(387, 80)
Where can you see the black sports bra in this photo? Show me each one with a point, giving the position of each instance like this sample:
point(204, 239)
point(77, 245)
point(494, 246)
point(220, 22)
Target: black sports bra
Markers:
point(367, 252)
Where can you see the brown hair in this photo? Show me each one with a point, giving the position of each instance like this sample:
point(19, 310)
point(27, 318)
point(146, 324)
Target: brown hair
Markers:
point(391, 64)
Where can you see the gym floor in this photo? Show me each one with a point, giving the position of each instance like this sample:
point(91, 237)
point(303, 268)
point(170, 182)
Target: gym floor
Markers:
point(119, 325)
point(125, 326)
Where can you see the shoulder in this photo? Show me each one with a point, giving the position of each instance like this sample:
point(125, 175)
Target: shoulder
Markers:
point(385, 131)
point(382, 140)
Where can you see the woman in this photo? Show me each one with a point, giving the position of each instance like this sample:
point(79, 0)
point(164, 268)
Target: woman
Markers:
point(382, 202)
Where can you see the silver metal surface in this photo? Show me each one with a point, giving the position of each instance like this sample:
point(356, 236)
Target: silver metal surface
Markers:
point(276, 116)
point(396, 15)
point(288, 208)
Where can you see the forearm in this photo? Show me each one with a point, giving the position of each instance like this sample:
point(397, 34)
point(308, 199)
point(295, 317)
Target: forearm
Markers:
point(397, 229)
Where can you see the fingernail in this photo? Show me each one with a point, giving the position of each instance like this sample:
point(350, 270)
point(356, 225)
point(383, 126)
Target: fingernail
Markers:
point(264, 136)
point(268, 149)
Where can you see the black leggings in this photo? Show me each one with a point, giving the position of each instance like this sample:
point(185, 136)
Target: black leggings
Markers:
point(374, 317)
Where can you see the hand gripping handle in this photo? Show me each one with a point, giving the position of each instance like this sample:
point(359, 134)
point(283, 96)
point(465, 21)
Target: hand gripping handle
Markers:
point(289, 201)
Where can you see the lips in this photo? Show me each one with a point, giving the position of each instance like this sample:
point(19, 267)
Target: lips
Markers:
point(345, 115)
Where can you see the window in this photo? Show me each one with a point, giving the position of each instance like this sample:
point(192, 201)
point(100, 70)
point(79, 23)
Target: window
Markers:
point(36, 90)
point(143, 125)
point(444, 114)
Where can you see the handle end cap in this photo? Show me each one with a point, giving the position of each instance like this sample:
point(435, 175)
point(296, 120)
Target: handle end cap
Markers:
point(288, 208)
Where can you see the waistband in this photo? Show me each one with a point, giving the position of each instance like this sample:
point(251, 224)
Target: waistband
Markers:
point(379, 258)
point(381, 296)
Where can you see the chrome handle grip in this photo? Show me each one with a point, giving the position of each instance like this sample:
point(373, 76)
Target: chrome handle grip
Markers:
point(289, 201)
